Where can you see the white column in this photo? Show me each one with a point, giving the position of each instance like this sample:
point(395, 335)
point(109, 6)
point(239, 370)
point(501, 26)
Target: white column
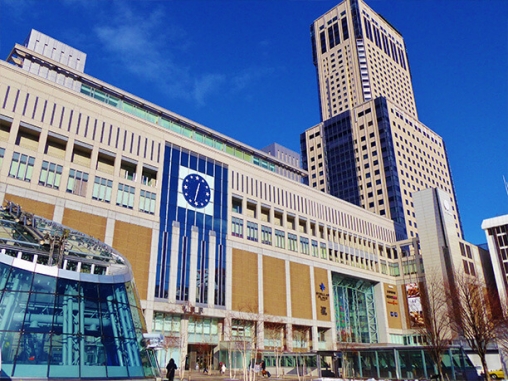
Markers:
point(193, 264)
point(173, 264)
point(288, 290)
point(261, 301)
point(152, 275)
point(332, 313)
point(59, 210)
point(315, 341)
point(110, 228)
point(229, 278)
point(211, 269)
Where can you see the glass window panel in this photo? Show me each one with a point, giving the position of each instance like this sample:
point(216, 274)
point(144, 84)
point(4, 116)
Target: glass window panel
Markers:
point(67, 287)
point(21, 171)
point(29, 172)
point(95, 358)
point(51, 178)
point(33, 350)
point(105, 291)
point(114, 356)
point(19, 280)
point(67, 309)
point(10, 342)
point(14, 169)
point(39, 317)
point(96, 190)
point(89, 290)
point(109, 190)
point(64, 356)
point(70, 184)
point(4, 274)
point(108, 319)
point(44, 283)
point(137, 317)
point(12, 310)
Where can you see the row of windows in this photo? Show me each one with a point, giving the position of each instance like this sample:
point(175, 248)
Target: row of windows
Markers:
point(175, 126)
point(382, 42)
point(306, 246)
point(68, 120)
point(22, 167)
point(29, 137)
point(292, 201)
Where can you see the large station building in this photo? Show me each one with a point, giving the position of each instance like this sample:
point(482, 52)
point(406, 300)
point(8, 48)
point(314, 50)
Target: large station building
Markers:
point(226, 241)
point(370, 148)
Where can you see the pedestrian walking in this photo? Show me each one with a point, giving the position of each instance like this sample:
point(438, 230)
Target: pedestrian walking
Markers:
point(170, 368)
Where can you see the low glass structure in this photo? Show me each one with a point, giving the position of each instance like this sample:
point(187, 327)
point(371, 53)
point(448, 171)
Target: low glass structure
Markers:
point(68, 305)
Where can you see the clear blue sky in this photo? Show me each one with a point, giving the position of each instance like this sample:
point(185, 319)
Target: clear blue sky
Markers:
point(244, 68)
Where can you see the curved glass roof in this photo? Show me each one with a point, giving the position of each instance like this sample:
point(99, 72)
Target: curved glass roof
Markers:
point(55, 244)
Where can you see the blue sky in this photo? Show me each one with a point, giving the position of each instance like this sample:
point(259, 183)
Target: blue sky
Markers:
point(244, 68)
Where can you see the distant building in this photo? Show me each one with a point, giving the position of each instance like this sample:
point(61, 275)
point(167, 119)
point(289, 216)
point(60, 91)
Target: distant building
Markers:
point(496, 231)
point(370, 148)
point(287, 156)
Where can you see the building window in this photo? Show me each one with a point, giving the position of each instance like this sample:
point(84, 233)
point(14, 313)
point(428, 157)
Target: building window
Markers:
point(322, 249)
point(280, 239)
point(315, 250)
point(304, 245)
point(51, 174)
point(2, 153)
point(292, 242)
point(147, 202)
point(236, 205)
point(252, 231)
point(125, 196)
point(102, 189)
point(22, 166)
point(237, 227)
point(394, 269)
point(266, 235)
point(77, 183)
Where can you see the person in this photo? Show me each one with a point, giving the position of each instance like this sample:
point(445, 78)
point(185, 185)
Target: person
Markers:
point(264, 372)
point(223, 368)
point(170, 368)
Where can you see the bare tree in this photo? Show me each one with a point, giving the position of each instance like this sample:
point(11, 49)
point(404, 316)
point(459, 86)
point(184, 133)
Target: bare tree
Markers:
point(346, 345)
point(245, 337)
point(435, 326)
point(502, 342)
point(474, 316)
point(274, 336)
point(301, 339)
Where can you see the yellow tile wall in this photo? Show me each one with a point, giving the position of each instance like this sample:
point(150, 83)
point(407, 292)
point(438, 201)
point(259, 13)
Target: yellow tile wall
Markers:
point(134, 243)
point(32, 206)
point(245, 281)
point(300, 291)
point(274, 286)
point(94, 226)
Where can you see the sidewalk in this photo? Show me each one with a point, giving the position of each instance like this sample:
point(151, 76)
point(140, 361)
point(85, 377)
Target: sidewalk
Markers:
point(215, 375)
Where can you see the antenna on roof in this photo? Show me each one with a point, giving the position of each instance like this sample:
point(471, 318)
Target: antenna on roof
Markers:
point(505, 185)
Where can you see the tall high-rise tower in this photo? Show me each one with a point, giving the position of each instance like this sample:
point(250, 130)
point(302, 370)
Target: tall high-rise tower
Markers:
point(370, 148)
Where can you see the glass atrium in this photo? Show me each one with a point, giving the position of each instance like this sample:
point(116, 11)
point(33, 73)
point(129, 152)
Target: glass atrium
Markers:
point(68, 305)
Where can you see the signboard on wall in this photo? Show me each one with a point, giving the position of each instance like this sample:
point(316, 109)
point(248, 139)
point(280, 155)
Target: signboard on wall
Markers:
point(392, 306)
point(414, 304)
